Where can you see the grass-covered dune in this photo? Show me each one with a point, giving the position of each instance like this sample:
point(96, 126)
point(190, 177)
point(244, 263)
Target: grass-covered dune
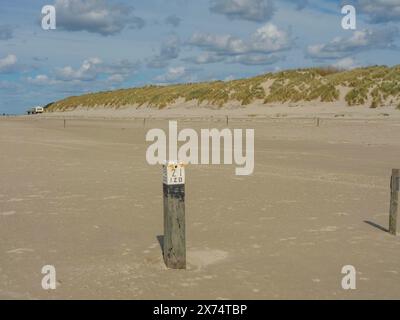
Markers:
point(372, 86)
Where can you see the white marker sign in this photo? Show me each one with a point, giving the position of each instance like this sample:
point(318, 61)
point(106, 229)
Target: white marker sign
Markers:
point(173, 173)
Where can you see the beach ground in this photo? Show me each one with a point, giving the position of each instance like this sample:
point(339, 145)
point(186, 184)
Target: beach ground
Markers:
point(84, 199)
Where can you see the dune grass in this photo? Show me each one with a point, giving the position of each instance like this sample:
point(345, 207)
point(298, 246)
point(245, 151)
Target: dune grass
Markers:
point(377, 85)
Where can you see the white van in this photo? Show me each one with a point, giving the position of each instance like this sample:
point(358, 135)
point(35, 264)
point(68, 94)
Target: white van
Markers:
point(36, 110)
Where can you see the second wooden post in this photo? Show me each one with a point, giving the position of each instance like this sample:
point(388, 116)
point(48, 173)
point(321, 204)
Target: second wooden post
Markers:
point(174, 246)
point(394, 201)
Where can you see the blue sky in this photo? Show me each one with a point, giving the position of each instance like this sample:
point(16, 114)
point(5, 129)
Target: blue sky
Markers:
point(104, 45)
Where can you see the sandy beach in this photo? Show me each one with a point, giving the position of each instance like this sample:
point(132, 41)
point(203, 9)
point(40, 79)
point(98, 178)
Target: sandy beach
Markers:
point(84, 199)
point(191, 111)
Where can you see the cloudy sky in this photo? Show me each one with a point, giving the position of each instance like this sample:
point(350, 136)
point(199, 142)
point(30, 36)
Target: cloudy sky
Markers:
point(110, 44)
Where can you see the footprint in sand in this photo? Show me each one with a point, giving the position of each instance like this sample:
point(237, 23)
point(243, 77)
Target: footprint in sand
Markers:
point(326, 229)
point(153, 246)
point(20, 250)
point(113, 198)
point(204, 258)
point(15, 200)
point(341, 214)
point(7, 213)
point(329, 229)
point(392, 271)
point(288, 239)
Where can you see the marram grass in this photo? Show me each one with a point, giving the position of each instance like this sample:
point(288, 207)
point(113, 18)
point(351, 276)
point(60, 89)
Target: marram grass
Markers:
point(375, 86)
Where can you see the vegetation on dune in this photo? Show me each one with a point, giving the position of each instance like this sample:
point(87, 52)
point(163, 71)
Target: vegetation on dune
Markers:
point(377, 86)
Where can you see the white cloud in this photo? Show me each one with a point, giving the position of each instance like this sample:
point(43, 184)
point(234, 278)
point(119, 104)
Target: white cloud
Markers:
point(361, 40)
point(257, 59)
point(39, 79)
point(124, 68)
point(270, 39)
point(266, 40)
point(230, 78)
point(253, 10)
point(87, 72)
point(116, 78)
point(170, 50)
point(8, 63)
point(378, 11)
point(205, 58)
point(42, 80)
point(345, 63)
point(96, 16)
point(173, 75)
point(92, 68)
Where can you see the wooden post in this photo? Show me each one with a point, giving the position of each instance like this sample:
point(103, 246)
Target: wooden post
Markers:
point(174, 215)
point(318, 122)
point(144, 122)
point(65, 122)
point(227, 121)
point(394, 201)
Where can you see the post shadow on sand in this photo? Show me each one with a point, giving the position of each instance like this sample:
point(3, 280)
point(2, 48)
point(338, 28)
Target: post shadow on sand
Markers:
point(161, 242)
point(373, 224)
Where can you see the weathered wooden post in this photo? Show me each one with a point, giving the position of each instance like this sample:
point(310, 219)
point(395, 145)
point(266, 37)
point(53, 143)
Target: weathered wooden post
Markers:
point(394, 201)
point(65, 123)
point(318, 122)
point(174, 215)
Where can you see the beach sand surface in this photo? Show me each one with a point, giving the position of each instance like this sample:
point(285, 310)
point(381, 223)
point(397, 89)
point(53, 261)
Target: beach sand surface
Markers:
point(84, 199)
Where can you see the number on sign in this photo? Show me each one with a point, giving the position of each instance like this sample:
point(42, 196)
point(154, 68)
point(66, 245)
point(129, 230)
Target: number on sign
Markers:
point(174, 174)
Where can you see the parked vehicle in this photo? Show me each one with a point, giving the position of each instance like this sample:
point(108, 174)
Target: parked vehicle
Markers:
point(36, 110)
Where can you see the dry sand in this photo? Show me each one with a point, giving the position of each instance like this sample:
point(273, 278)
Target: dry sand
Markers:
point(84, 200)
point(189, 110)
